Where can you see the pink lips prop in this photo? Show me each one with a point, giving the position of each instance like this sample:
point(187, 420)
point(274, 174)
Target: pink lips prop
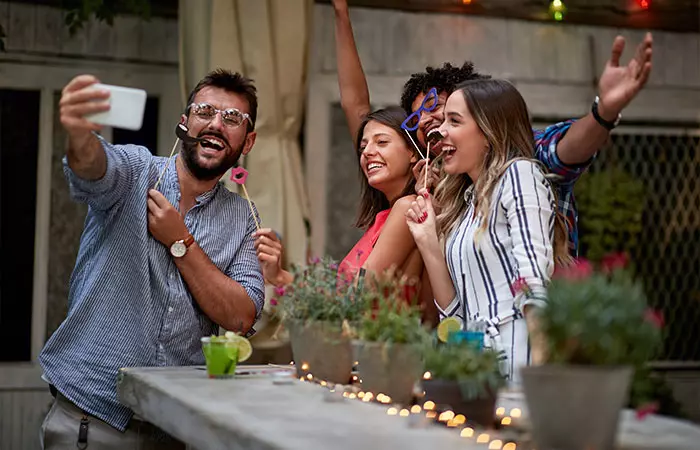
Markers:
point(239, 175)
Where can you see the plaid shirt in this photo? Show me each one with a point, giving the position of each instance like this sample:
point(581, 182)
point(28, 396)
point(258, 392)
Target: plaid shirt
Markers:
point(546, 151)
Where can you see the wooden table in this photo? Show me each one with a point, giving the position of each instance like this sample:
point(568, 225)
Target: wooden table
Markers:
point(251, 412)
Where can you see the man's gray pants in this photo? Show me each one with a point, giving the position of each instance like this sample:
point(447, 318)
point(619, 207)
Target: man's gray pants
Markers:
point(61, 428)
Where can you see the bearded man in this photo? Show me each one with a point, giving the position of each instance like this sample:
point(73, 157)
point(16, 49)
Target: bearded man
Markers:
point(157, 269)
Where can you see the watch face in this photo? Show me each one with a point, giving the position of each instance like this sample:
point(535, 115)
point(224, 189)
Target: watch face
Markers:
point(178, 249)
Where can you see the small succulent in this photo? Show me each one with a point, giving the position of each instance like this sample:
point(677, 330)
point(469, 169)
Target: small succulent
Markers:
point(476, 370)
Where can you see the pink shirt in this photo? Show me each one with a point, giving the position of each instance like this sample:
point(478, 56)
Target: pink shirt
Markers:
point(360, 252)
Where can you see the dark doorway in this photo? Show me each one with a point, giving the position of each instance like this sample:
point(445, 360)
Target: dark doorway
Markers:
point(19, 148)
point(147, 136)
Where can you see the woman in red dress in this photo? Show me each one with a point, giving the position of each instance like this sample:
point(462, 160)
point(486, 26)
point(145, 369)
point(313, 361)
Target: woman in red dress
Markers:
point(386, 158)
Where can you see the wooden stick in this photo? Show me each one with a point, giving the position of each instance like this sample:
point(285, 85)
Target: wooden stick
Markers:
point(414, 144)
point(177, 140)
point(252, 211)
point(427, 167)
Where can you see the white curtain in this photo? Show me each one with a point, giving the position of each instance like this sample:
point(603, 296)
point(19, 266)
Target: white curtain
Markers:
point(266, 40)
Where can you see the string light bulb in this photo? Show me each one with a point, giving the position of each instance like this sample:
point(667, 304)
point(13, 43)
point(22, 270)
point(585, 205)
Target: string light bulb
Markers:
point(644, 4)
point(445, 416)
point(557, 9)
point(495, 445)
point(467, 432)
point(483, 438)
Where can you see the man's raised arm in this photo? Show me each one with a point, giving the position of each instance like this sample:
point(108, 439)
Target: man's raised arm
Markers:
point(617, 87)
point(85, 154)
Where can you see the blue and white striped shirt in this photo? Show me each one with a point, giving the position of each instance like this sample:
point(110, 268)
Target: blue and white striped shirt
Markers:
point(517, 243)
point(128, 305)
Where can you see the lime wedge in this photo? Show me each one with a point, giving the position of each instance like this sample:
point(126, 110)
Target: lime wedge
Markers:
point(447, 326)
point(231, 350)
point(242, 345)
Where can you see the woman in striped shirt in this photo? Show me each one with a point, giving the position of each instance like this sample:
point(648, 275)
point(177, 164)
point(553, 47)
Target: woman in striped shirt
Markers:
point(498, 232)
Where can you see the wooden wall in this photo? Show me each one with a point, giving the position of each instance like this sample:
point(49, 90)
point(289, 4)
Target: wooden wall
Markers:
point(24, 401)
point(40, 30)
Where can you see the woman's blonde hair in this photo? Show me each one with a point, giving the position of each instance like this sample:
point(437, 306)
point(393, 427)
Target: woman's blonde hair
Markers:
point(501, 114)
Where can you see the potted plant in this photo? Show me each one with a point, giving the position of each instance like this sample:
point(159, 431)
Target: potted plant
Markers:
point(596, 329)
point(316, 309)
point(390, 339)
point(463, 378)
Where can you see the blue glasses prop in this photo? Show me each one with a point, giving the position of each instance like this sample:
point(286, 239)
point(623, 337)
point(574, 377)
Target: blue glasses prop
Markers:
point(411, 123)
point(429, 104)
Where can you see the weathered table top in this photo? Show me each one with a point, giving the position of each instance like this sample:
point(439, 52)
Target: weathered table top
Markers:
point(253, 413)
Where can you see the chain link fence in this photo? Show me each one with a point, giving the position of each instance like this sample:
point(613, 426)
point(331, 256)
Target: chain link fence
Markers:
point(642, 195)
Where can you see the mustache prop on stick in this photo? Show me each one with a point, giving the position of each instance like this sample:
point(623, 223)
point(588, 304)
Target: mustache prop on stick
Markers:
point(181, 132)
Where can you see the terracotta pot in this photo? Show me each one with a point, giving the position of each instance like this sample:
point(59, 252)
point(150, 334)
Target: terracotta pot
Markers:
point(390, 369)
point(575, 407)
point(449, 394)
point(321, 348)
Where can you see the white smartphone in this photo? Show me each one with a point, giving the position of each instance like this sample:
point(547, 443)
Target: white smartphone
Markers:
point(126, 107)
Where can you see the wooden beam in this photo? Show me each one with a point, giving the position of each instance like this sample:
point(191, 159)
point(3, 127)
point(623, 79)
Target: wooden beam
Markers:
point(669, 15)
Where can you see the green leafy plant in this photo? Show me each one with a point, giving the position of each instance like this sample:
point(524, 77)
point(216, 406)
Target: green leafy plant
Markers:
point(392, 315)
point(318, 294)
point(599, 317)
point(80, 11)
point(610, 204)
point(477, 371)
point(395, 323)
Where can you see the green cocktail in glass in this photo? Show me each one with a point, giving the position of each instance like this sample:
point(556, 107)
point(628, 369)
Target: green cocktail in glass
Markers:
point(221, 355)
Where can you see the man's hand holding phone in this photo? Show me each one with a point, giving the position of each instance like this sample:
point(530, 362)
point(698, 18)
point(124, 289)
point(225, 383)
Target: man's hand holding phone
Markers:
point(86, 105)
point(79, 99)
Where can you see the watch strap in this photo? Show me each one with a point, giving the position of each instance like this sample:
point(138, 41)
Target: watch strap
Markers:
point(604, 123)
point(189, 240)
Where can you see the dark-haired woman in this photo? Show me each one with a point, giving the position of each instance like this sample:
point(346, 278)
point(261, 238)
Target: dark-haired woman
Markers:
point(386, 158)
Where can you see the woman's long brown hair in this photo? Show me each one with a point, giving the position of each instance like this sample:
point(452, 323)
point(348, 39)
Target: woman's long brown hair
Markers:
point(373, 201)
point(501, 114)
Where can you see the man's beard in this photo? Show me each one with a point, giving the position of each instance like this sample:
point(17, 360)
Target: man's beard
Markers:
point(190, 158)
